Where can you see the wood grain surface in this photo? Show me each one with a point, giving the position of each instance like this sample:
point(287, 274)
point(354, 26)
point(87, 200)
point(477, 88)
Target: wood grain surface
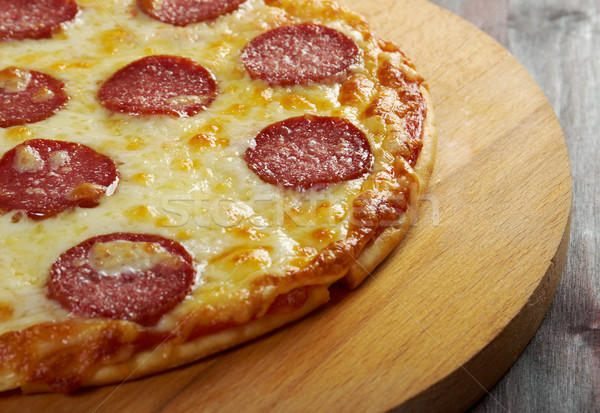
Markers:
point(442, 318)
point(558, 42)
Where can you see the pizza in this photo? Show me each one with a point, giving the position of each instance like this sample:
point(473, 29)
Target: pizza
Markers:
point(178, 177)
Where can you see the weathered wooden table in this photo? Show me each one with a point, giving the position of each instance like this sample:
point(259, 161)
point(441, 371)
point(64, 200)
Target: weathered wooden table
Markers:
point(558, 41)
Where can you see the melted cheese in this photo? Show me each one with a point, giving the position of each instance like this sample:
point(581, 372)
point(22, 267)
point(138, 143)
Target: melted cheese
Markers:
point(14, 80)
point(59, 161)
point(119, 257)
point(182, 178)
point(42, 95)
point(86, 190)
point(27, 159)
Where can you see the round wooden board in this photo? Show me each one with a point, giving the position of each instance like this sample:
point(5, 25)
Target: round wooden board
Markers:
point(450, 310)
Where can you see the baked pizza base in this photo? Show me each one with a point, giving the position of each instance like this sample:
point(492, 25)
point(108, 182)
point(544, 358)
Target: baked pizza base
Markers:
point(377, 251)
point(101, 352)
point(166, 356)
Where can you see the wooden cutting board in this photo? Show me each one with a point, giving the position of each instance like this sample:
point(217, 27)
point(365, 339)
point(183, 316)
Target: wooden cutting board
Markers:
point(451, 309)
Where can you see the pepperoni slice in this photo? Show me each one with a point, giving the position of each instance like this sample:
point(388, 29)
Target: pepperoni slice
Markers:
point(309, 151)
point(43, 177)
point(122, 276)
point(28, 96)
point(34, 19)
point(299, 54)
point(184, 12)
point(159, 85)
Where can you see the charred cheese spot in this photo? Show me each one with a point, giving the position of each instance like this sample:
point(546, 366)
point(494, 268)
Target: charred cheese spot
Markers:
point(263, 95)
point(218, 50)
point(211, 127)
point(237, 264)
point(69, 66)
point(6, 311)
point(165, 222)
point(258, 257)
point(324, 206)
point(117, 40)
point(17, 217)
point(387, 46)
point(224, 186)
point(328, 213)
point(143, 178)
point(253, 259)
point(394, 71)
point(87, 191)
point(81, 65)
point(247, 233)
point(184, 164)
point(323, 235)
point(135, 143)
point(295, 214)
point(338, 112)
point(61, 67)
point(42, 95)
point(204, 141)
point(229, 213)
point(236, 109)
point(304, 254)
point(185, 235)
point(305, 250)
point(289, 223)
point(299, 262)
point(384, 181)
point(356, 90)
point(292, 101)
point(142, 213)
point(387, 106)
point(19, 133)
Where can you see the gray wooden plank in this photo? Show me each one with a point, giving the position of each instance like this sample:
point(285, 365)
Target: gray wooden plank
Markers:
point(558, 41)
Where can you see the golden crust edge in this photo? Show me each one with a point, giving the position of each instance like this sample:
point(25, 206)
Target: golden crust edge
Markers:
point(376, 252)
point(154, 361)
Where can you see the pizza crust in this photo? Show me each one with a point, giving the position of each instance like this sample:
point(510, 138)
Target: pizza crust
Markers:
point(167, 356)
point(377, 251)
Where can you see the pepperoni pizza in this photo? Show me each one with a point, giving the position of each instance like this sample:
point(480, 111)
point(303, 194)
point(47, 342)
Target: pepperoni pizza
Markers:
point(180, 176)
